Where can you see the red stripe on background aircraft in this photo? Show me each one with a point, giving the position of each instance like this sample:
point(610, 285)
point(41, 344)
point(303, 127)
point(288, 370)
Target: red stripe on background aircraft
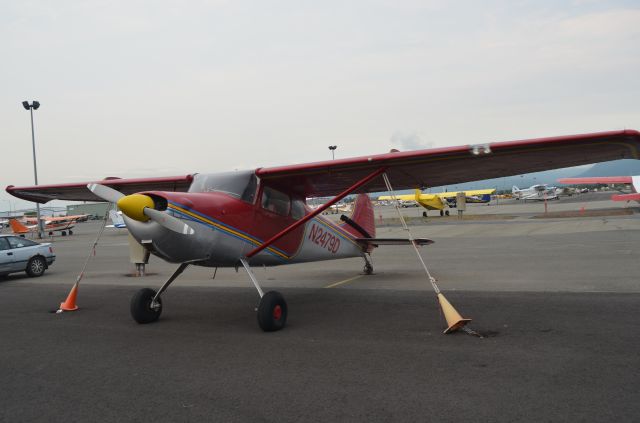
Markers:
point(259, 217)
point(634, 181)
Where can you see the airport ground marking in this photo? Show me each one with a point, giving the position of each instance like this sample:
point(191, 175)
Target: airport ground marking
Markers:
point(333, 285)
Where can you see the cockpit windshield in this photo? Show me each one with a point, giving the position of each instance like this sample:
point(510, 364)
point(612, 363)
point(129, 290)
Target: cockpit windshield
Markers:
point(239, 184)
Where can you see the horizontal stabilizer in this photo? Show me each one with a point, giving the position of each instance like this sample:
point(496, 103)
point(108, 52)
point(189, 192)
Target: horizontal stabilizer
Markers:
point(391, 241)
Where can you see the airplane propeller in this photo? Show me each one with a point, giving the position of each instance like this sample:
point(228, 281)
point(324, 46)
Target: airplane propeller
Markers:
point(140, 207)
point(106, 193)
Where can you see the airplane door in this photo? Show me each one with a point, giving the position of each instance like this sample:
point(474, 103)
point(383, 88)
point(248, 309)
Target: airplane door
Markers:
point(274, 212)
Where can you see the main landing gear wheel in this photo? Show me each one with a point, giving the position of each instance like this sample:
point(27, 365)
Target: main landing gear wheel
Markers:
point(446, 213)
point(272, 312)
point(441, 213)
point(368, 269)
point(141, 309)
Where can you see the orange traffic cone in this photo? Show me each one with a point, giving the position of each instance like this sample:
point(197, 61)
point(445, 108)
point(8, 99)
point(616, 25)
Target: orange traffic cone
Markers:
point(454, 320)
point(70, 303)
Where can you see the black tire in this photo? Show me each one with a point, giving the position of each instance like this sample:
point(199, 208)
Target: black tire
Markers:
point(70, 232)
point(36, 267)
point(368, 269)
point(424, 214)
point(141, 310)
point(64, 233)
point(441, 213)
point(446, 212)
point(272, 312)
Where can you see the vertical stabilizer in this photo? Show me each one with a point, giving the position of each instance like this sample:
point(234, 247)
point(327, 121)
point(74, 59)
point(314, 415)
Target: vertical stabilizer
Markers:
point(363, 216)
point(17, 227)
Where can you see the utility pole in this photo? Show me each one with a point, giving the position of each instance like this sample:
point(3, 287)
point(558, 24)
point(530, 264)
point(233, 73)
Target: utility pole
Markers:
point(31, 107)
point(333, 149)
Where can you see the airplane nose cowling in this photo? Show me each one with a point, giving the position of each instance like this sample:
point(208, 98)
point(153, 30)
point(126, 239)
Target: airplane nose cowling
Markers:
point(133, 206)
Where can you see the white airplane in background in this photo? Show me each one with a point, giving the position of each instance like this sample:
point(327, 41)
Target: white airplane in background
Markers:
point(535, 192)
point(116, 219)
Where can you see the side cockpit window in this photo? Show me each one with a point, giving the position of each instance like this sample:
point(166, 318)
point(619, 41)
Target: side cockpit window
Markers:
point(249, 193)
point(297, 209)
point(275, 201)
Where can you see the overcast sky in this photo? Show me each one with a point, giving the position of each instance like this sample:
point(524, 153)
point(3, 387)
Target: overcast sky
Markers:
point(149, 88)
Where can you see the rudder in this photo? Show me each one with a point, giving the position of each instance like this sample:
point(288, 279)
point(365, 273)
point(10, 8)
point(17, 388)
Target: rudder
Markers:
point(362, 215)
point(17, 227)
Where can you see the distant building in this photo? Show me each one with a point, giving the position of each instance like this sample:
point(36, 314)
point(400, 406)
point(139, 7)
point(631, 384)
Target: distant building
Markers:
point(97, 210)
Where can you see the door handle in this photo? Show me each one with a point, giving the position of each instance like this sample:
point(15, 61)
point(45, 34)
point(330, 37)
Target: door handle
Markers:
point(9, 254)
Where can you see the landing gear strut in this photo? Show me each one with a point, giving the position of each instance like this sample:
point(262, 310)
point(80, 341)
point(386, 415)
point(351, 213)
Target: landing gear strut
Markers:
point(272, 308)
point(146, 305)
point(368, 266)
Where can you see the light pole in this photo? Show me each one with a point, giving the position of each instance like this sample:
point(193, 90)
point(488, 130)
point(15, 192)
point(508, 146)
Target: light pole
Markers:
point(333, 149)
point(31, 107)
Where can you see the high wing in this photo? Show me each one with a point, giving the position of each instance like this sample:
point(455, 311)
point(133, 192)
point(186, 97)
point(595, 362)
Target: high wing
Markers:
point(80, 192)
point(406, 197)
point(469, 193)
point(406, 170)
point(451, 165)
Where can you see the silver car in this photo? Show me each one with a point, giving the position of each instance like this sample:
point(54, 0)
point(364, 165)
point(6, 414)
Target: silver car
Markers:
point(19, 254)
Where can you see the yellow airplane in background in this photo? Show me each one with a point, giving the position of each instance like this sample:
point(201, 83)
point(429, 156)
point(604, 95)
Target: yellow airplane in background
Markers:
point(443, 200)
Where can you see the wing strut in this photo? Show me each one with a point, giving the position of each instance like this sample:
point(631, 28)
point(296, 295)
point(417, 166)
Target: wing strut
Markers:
point(316, 212)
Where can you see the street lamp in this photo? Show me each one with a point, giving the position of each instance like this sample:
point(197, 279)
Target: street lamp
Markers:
point(31, 107)
point(333, 149)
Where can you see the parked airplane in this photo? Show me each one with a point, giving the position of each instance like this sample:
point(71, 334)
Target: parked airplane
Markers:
point(443, 200)
point(58, 219)
point(535, 193)
point(633, 181)
point(259, 217)
point(63, 228)
point(116, 220)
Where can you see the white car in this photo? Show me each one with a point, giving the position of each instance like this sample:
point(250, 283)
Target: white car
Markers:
point(19, 254)
point(409, 203)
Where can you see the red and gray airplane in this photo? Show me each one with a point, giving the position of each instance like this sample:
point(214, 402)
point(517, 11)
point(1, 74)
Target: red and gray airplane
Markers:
point(260, 217)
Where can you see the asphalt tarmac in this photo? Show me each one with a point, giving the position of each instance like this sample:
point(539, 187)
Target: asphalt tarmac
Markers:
point(555, 299)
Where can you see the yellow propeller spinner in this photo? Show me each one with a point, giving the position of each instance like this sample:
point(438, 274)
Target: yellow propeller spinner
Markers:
point(133, 206)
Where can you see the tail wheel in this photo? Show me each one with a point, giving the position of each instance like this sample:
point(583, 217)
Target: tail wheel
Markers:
point(141, 309)
point(36, 267)
point(368, 269)
point(272, 312)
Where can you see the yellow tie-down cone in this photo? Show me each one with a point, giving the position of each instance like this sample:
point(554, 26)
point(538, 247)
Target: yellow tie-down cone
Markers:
point(454, 320)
